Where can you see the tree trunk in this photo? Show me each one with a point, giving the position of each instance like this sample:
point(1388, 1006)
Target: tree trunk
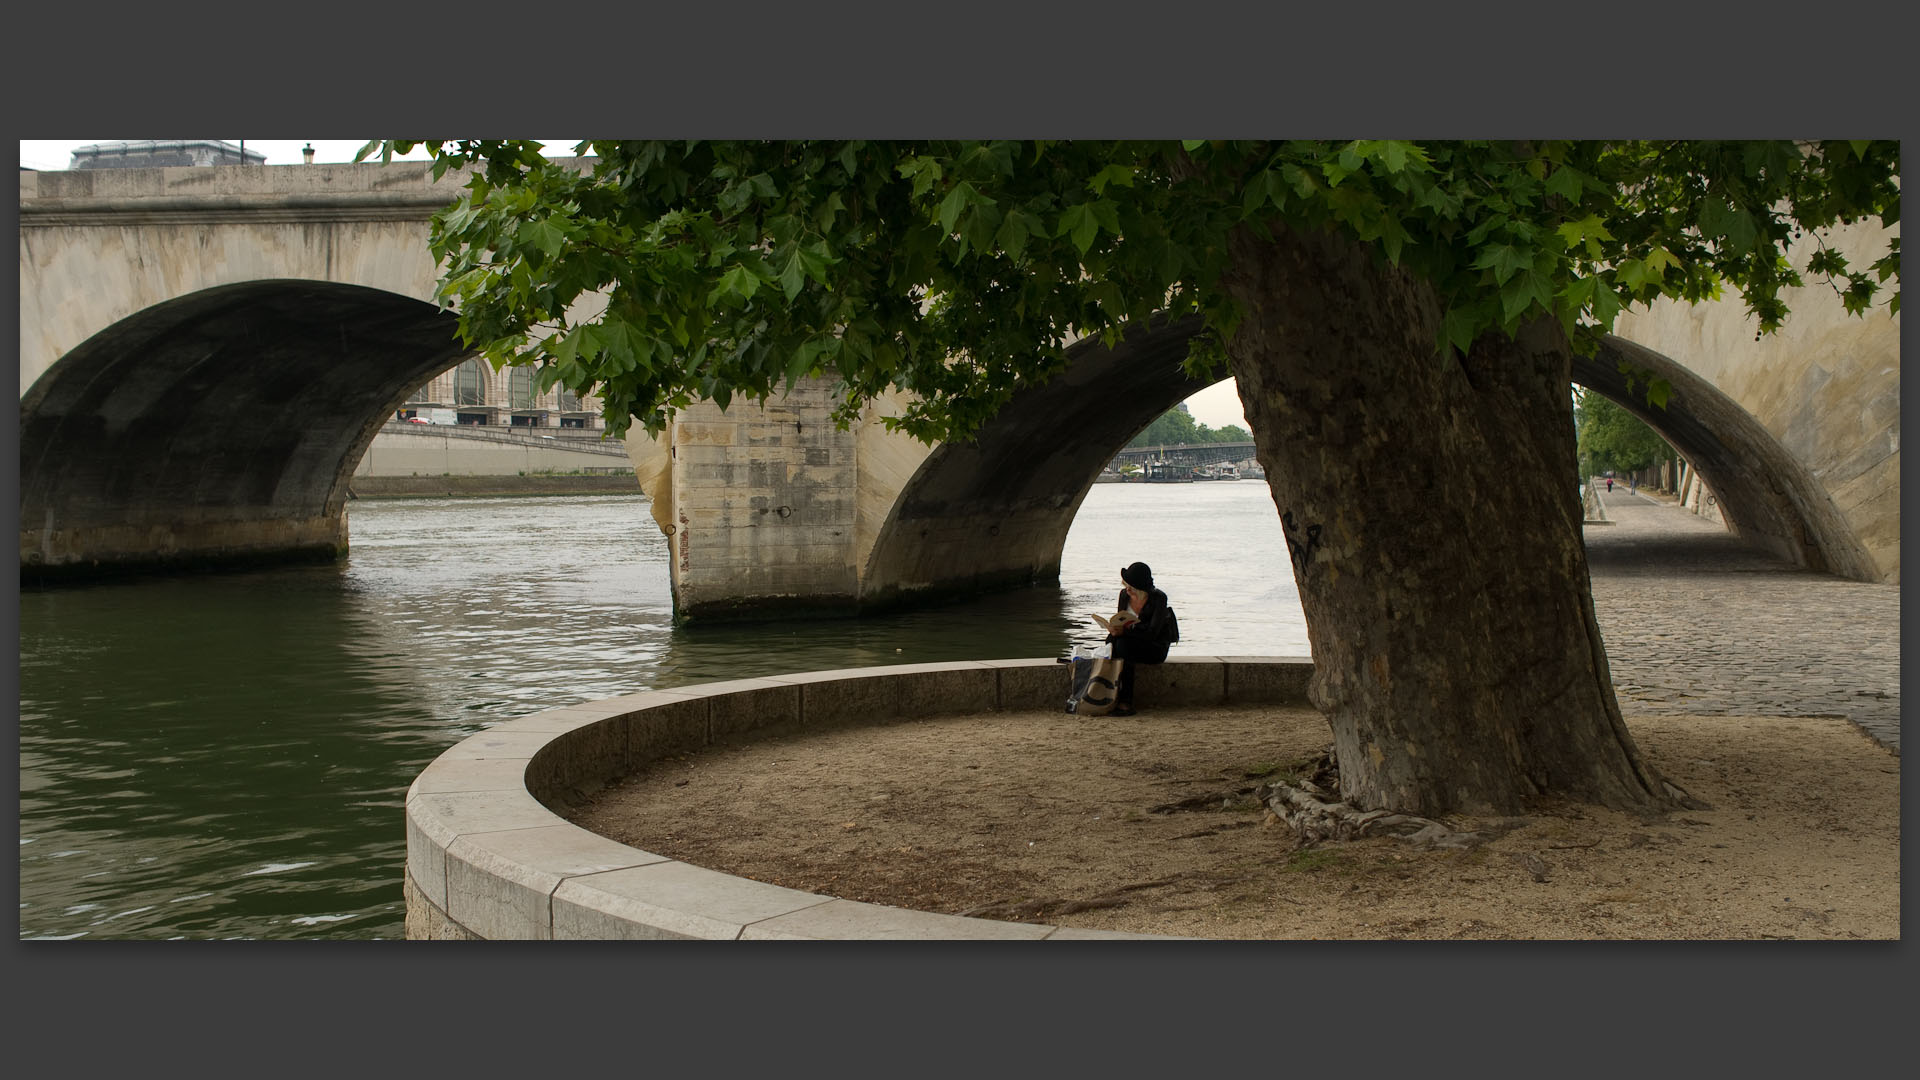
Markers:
point(1435, 533)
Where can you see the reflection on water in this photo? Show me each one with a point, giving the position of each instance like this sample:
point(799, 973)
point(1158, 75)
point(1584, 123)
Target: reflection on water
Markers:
point(226, 756)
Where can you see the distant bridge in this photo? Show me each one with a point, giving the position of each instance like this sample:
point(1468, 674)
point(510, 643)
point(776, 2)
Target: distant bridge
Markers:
point(1185, 454)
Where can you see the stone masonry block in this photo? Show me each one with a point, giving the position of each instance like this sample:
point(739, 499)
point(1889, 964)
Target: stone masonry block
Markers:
point(688, 433)
point(579, 761)
point(746, 705)
point(453, 774)
point(1184, 680)
point(436, 821)
point(846, 699)
point(497, 743)
point(425, 922)
point(427, 841)
point(499, 884)
point(668, 900)
point(947, 689)
point(1265, 680)
point(666, 726)
point(568, 717)
point(1032, 684)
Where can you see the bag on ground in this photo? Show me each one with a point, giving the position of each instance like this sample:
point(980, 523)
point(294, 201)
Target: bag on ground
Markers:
point(1094, 681)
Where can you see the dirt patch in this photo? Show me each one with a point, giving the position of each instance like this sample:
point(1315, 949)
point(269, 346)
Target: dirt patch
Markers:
point(1147, 824)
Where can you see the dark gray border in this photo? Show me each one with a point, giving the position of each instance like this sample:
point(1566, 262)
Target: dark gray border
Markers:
point(891, 70)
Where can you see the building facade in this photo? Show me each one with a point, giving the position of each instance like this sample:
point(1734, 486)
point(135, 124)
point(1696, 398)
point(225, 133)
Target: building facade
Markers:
point(472, 393)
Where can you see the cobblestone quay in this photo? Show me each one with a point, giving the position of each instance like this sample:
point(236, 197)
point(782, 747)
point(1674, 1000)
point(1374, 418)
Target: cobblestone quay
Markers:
point(1695, 621)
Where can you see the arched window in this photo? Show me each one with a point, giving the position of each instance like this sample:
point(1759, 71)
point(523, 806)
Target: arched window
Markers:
point(470, 383)
point(569, 401)
point(521, 392)
point(420, 393)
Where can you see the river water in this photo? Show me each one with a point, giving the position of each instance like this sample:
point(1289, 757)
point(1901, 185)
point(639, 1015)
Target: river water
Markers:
point(227, 756)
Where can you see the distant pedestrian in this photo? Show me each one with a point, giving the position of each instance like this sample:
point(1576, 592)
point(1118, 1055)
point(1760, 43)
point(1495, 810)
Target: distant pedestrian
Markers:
point(1609, 484)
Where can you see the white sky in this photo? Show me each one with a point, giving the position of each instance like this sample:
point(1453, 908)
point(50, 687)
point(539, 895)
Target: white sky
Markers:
point(1217, 406)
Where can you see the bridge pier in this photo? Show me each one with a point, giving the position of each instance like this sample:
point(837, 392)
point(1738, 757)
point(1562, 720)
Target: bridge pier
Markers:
point(773, 510)
point(770, 510)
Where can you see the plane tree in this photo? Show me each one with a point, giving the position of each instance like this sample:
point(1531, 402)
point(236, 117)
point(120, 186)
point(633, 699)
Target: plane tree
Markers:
point(1400, 319)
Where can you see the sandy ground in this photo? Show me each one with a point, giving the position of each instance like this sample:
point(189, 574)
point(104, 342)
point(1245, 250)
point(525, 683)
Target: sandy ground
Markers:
point(1146, 824)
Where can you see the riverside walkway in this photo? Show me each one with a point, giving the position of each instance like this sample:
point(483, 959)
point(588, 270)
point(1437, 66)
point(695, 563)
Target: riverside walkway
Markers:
point(1695, 621)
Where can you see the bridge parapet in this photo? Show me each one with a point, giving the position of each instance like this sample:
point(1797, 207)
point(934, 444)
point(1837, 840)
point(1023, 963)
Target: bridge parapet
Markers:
point(210, 195)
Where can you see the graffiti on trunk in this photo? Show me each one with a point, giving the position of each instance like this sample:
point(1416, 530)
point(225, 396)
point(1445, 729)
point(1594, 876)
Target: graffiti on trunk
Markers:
point(1301, 550)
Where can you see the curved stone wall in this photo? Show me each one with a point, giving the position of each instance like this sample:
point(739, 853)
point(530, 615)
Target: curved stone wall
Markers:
point(488, 856)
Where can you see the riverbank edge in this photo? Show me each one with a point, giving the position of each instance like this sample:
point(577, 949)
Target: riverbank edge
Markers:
point(457, 487)
point(490, 855)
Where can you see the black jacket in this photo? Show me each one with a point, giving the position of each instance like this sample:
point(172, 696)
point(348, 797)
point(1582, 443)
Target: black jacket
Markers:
point(1155, 626)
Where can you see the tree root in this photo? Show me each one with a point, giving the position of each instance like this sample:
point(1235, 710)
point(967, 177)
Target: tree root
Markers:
point(1679, 795)
point(1309, 811)
point(1308, 806)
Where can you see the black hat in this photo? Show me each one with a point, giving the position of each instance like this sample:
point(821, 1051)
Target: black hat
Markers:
point(1139, 575)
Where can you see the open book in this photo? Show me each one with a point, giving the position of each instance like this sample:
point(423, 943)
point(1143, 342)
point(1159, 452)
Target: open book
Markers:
point(1116, 622)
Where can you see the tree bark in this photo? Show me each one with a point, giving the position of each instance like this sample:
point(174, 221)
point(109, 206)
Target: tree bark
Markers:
point(1431, 512)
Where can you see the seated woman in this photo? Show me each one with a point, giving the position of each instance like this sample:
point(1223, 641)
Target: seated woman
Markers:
point(1144, 639)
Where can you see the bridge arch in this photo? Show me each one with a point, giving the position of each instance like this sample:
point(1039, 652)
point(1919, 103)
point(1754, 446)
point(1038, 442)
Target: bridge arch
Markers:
point(1765, 494)
point(219, 426)
point(994, 513)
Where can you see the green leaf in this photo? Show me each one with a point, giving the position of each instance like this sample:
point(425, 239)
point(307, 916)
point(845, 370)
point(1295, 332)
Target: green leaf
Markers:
point(1012, 237)
point(1717, 219)
point(1393, 236)
point(1459, 329)
point(1078, 222)
point(542, 234)
point(1106, 212)
point(1566, 182)
point(1658, 260)
point(814, 260)
point(955, 202)
point(1586, 232)
point(1516, 296)
point(923, 171)
point(791, 273)
point(1268, 187)
point(1606, 304)
point(1189, 145)
point(738, 281)
point(1504, 260)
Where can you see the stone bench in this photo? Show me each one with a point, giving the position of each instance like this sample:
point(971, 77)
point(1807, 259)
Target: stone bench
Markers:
point(488, 857)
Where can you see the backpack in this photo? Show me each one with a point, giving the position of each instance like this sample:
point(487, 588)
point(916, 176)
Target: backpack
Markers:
point(1173, 626)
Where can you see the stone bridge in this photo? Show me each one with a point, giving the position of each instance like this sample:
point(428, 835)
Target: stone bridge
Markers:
point(206, 353)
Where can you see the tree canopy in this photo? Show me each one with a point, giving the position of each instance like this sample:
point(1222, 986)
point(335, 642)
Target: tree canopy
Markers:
point(961, 270)
point(1610, 437)
point(1177, 427)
